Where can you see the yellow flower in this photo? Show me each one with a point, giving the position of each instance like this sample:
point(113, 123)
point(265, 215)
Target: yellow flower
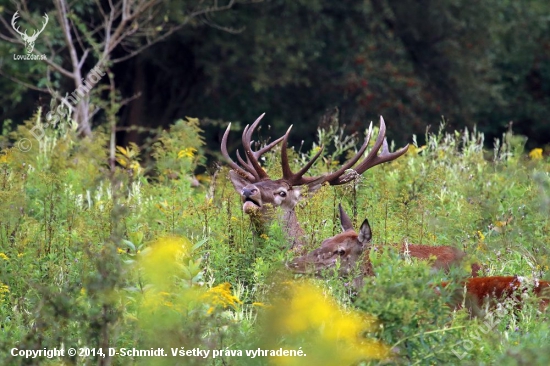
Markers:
point(264, 236)
point(135, 167)
point(120, 251)
point(188, 152)
point(160, 264)
point(128, 157)
point(83, 291)
point(221, 296)
point(4, 289)
point(163, 206)
point(480, 236)
point(335, 334)
point(413, 150)
point(536, 154)
point(4, 256)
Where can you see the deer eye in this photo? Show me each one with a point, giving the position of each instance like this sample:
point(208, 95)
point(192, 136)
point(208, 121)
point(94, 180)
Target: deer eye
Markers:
point(282, 194)
point(340, 251)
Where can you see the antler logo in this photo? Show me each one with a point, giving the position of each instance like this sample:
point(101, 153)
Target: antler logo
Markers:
point(29, 40)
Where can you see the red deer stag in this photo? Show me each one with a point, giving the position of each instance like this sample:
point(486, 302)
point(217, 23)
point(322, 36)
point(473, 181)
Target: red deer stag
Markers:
point(351, 250)
point(260, 194)
point(488, 290)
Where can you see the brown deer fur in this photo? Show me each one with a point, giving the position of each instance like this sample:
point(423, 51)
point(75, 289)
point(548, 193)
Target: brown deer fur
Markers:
point(260, 194)
point(443, 257)
point(482, 290)
point(350, 251)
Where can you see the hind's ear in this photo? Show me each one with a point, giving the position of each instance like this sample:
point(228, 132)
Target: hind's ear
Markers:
point(365, 233)
point(238, 181)
point(345, 221)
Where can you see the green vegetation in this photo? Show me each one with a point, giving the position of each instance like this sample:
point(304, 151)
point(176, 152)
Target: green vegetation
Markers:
point(132, 255)
point(483, 63)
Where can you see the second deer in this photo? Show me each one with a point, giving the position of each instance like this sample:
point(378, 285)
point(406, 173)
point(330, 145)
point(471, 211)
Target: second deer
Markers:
point(483, 292)
point(349, 251)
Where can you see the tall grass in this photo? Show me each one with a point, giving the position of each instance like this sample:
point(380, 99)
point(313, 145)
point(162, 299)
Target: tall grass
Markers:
point(138, 257)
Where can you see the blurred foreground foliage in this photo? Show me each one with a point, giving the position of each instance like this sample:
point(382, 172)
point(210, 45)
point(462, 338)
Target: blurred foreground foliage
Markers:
point(134, 256)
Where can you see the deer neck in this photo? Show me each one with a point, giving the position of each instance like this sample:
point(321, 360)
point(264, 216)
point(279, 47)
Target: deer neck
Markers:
point(288, 221)
point(292, 229)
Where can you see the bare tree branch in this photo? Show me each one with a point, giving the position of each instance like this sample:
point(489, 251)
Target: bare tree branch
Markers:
point(129, 24)
point(21, 82)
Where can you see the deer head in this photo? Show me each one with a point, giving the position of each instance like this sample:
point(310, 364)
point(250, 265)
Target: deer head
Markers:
point(29, 40)
point(350, 250)
point(343, 251)
point(259, 192)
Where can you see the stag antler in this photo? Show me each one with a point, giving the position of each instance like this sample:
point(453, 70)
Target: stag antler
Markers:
point(29, 40)
point(16, 28)
point(341, 176)
point(24, 34)
point(252, 170)
point(35, 34)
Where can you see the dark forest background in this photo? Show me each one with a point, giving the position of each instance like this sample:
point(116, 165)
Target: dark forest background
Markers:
point(473, 63)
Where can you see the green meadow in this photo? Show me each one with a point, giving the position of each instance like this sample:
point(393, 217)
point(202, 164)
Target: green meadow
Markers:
point(101, 255)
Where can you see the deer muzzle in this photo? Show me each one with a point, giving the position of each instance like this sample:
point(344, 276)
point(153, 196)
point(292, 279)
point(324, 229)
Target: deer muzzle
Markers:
point(250, 200)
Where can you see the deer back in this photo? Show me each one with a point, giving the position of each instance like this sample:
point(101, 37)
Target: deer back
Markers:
point(441, 256)
point(488, 291)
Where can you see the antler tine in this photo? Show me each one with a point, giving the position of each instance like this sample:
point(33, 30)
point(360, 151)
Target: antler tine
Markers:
point(253, 127)
point(335, 177)
point(231, 163)
point(306, 167)
point(44, 24)
point(296, 178)
point(14, 21)
point(264, 149)
point(257, 154)
point(250, 155)
point(247, 166)
point(287, 173)
point(345, 221)
point(250, 168)
point(373, 159)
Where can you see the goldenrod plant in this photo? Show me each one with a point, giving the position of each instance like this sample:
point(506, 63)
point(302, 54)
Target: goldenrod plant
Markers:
point(136, 255)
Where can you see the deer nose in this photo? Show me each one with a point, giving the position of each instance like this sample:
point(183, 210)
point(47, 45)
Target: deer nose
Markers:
point(248, 192)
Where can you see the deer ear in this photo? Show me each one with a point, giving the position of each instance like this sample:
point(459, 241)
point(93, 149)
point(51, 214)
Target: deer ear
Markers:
point(365, 233)
point(314, 186)
point(238, 182)
point(345, 221)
